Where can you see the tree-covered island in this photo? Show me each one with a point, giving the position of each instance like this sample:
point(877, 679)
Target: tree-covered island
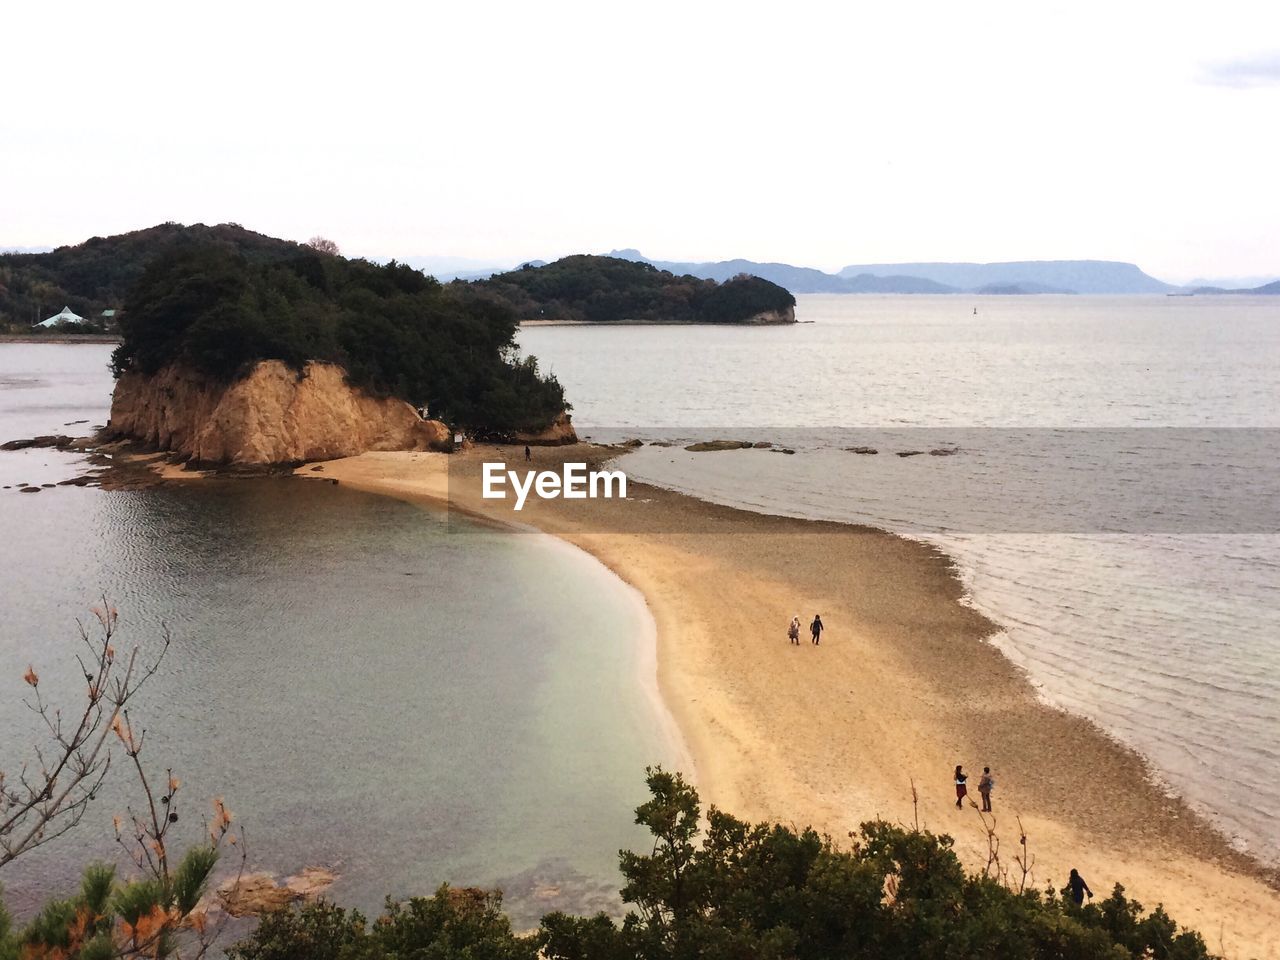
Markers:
point(612, 290)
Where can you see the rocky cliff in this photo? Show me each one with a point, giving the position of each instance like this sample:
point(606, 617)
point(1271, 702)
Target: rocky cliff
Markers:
point(786, 315)
point(559, 433)
point(274, 415)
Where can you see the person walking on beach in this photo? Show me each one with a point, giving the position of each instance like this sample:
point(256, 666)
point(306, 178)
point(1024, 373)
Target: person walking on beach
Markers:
point(816, 627)
point(1077, 888)
point(962, 791)
point(528, 454)
point(793, 631)
point(984, 787)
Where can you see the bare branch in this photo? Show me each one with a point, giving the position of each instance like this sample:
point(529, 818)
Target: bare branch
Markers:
point(76, 758)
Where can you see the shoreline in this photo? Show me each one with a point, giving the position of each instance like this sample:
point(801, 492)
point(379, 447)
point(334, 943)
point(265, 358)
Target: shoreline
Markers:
point(646, 662)
point(1255, 840)
point(656, 323)
point(850, 743)
point(60, 338)
point(909, 685)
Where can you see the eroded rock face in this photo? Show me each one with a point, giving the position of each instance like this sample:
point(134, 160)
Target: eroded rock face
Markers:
point(560, 432)
point(787, 315)
point(275, 415)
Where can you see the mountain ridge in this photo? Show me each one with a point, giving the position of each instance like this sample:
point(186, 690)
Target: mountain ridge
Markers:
point(1011, 277)
point(1078, 276)
point(1267, 290)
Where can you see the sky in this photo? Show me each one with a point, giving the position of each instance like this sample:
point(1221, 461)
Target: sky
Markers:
point(819, 134)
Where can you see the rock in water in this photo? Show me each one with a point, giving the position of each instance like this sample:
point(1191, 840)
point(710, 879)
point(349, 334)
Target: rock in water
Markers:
point(253, 894)
point(56, 442)
point(707, 446)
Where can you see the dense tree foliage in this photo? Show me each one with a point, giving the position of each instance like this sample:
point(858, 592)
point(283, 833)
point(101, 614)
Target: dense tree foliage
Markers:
point(455, 924)
point(97, 275)
point(611, 289)
point(765, 892)
point(397, 332)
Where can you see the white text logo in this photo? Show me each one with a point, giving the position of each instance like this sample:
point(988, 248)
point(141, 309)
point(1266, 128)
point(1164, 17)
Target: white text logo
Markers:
point(574, 482)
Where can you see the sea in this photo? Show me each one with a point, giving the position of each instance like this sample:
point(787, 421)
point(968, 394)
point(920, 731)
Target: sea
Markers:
point(1102, 470)
point(398, 696)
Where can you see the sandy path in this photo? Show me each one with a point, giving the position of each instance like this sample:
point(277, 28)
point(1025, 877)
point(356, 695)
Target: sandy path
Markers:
point(901, 689)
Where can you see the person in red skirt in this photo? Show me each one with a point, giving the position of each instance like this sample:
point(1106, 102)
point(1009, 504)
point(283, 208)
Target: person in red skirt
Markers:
point(961, 790)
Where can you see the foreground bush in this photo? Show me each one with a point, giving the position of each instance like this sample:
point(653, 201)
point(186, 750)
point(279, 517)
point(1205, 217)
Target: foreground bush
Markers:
point(738, 891)
point(464, 924)
point(106, 918)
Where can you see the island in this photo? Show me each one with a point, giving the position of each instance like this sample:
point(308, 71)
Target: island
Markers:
point(230, 355)
point(593, 289)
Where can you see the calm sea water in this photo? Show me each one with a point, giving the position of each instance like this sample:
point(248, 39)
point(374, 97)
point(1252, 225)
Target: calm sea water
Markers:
point(1133, 567)
point(371, 687)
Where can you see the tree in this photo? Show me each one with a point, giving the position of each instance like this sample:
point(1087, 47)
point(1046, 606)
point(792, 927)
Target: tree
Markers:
point(49, 796)
point(323, 245)
point(605, 289)
point(396, 332)
point(164, 910)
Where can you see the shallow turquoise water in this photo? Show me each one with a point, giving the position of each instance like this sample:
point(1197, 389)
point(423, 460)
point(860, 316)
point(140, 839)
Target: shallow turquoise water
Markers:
point(371, 687)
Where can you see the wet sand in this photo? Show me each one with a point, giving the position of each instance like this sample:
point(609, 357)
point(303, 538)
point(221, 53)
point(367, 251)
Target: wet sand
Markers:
point(901, 689)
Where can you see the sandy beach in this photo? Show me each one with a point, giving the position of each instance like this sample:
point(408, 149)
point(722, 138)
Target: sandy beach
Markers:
point(901, 689)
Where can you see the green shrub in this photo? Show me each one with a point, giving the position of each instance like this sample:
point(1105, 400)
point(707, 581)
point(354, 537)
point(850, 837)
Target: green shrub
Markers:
point(737, 891)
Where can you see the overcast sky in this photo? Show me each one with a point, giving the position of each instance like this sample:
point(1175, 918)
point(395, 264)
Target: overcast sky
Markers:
point(814, 133)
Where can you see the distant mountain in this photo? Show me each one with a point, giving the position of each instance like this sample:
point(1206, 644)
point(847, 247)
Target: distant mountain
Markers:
point(795, 279)
point(1233, 283)
point(1018, 289)
point(870, 283)
point(445, 269)
point(1076, 276)
point(1020, 277)
point(1267, 290)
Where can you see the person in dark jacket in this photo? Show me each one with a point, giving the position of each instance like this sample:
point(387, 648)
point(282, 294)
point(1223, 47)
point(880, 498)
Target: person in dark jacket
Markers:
point(816, 627)
point(985, 783)
point(962, 790)
point(1077, 888)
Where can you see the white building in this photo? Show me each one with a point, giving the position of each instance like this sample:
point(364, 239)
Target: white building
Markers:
point(66, 316)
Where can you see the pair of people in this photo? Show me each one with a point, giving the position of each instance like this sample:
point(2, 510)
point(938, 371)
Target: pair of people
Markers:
point(986, 784)
point(815, 629)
